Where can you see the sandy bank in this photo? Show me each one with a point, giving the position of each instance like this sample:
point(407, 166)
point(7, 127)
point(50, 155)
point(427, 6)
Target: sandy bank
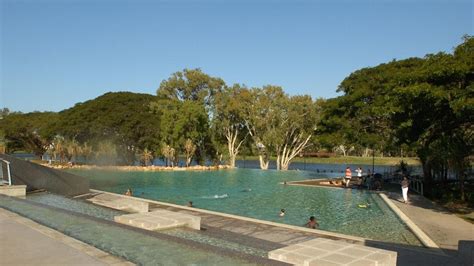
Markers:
point(139, 168)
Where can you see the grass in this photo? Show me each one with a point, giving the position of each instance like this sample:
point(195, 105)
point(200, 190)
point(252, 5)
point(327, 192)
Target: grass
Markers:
point(349, 160)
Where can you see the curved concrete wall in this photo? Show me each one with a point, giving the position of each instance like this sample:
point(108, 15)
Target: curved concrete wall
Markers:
point(36, 176)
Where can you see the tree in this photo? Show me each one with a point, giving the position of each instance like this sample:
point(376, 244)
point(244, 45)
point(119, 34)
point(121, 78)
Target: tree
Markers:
point(189, 150)
point(263, 115)
point(169, 154)
point(146, 157)
point(123, 118)
point(228, 120)
point(298, 123)
point(29, 132)
point(185, 104)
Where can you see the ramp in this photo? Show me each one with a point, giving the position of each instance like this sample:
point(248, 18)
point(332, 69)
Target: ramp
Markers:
point(36, 176)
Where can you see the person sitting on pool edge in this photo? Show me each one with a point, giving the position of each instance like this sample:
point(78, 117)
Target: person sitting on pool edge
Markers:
point(282, 212)
point(312, 223)
point(129, 192)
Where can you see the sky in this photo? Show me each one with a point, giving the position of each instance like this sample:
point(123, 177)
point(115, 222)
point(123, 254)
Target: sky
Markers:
point(57, 53)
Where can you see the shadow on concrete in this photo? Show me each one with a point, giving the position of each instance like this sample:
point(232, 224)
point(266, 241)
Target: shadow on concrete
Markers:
point(412, 255)
point(36, 176)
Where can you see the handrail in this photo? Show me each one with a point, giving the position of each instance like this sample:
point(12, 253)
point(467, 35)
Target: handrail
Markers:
point(8, 172)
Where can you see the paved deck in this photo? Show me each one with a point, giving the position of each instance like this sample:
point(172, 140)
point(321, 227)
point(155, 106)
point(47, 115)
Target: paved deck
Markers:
point(24, 242)
point(160, 220)
point(322, 251)
point(443, 227)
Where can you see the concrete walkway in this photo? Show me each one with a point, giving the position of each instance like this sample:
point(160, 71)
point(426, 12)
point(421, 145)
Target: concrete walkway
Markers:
point(24, 242)
point(443, 227)
point(453, 235)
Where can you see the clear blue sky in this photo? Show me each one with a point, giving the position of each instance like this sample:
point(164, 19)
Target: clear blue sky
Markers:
point(57, 53)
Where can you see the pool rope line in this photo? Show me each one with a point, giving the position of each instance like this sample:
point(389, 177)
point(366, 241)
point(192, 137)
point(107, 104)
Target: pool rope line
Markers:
point(422, 236)
point(186, 242)
point(76, 244)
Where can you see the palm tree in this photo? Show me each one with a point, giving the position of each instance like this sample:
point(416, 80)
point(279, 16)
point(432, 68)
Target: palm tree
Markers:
point(146, 157)
point(189, 150)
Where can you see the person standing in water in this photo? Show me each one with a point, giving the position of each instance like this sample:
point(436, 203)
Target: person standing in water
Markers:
point(405, 183)
point(129, 192)
point(348, 176)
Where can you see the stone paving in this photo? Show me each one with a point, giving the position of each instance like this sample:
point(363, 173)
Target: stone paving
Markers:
point(123, 203)
point(25, 242)
point(322, 251)
point(160, 220)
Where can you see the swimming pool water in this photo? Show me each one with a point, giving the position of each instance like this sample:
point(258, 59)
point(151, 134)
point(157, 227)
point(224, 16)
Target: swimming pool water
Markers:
point(260, 194)
point(74, 205)
point(133, 246)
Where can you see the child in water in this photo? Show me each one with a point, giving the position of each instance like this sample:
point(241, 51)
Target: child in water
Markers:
point(282, 212)
point(312, 223)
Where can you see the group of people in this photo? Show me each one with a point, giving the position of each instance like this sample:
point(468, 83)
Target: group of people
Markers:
point(405, 183)
point(348, 175)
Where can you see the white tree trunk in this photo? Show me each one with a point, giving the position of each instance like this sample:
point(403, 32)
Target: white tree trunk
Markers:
point(291, 150)
point(233, 148)
point(263, 162)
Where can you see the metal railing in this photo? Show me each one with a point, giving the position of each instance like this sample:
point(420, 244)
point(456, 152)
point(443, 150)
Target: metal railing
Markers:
point(8, 181)
point(417, 186)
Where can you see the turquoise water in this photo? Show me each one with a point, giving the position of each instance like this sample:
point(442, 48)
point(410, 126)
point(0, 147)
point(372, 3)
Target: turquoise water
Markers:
point(74, 205)
point(259, 194)
point(133, 246)
point(84, 207)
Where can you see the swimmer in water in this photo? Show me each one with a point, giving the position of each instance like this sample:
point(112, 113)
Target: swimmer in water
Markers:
point(282, 212)
point(190, 204)
point(312, 223)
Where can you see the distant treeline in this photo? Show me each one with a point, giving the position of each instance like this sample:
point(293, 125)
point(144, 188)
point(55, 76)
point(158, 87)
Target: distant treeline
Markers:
point(416, 106)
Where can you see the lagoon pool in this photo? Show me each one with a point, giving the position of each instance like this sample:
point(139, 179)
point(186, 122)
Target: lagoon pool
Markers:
point(260, 194)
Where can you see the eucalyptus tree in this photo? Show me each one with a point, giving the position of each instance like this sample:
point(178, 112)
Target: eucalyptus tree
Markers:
point(228, 119)
point(297, 125)
point(278, 124)
point(185, 106)
point(262, 113)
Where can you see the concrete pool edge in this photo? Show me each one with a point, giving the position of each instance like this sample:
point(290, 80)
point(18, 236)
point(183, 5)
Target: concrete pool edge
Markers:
point(66, 240)
point(424, 238)
point(292, 227)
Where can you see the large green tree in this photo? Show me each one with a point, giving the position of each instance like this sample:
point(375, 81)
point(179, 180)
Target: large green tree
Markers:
point(184, 104)
point(228, 121)
point(122, 118)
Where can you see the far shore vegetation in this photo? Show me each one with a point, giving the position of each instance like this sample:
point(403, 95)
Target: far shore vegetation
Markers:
point(389, 161)
point(409, 108)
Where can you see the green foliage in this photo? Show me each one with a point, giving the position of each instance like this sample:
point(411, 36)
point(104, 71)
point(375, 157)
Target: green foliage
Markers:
point(123, 118)
point(426, 104)
point(29, 132)
point(185, 104)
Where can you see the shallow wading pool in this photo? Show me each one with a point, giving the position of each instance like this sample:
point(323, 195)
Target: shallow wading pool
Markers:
point(260, 194)
point(138, 246)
